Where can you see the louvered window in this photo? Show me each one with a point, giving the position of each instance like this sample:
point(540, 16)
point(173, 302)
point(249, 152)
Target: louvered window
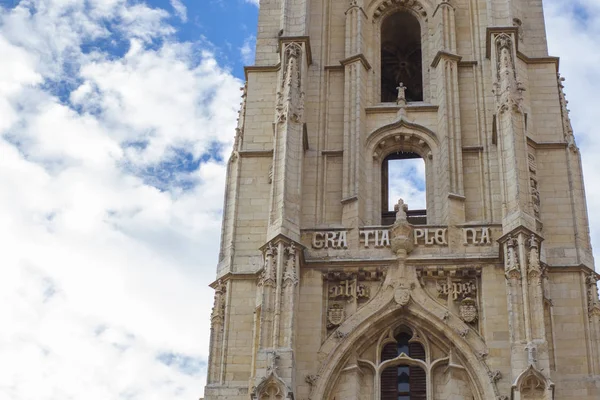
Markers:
point(403, 382)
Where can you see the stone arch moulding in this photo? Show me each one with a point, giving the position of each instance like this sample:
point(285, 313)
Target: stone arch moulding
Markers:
point(379, 9)
point(532, 384)
point(368, 324)
point(401, 136)
point(402, 127)
point(272, 387)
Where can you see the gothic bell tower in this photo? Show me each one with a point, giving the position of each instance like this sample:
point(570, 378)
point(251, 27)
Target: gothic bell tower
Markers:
point(329, 288)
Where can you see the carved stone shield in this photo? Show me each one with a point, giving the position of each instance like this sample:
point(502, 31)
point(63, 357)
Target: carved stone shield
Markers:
point(402, 295)
point(335, 315)
point(468, 310)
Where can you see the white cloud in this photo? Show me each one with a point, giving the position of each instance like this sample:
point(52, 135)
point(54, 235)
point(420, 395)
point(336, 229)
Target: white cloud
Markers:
point(105, 257)
point(407, 182)
point(109, 238)
point(180, 9)
point(255, 2)
point(573, 29)
point(247, 50)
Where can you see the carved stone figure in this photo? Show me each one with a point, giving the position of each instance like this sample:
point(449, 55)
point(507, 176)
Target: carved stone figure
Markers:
point(401, 100)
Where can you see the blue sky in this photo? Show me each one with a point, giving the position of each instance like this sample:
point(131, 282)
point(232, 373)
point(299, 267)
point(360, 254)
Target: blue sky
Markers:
point(117, 118)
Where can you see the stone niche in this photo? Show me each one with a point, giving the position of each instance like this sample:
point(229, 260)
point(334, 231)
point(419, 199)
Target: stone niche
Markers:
point(346, 290)
point(457, 288)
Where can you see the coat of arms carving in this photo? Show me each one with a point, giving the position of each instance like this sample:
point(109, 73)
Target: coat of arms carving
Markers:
point(468, 310)
point(402, 294)
point(335, 315)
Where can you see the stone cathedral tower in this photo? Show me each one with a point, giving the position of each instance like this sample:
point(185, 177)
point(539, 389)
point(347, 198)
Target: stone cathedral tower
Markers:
point(326, 291)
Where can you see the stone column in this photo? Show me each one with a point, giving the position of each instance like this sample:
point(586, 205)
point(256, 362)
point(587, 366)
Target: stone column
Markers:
point(525, 277)
point(594, 320)
point(288, 144)
point(356, 69)
point(511, 135)
point(447, 97)
point(217, 320)
point(279, 284)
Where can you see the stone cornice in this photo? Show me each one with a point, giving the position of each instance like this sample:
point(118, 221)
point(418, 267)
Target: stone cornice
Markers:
point(255, 153)
point(393, 108)
point(332, 153)
point(260, 68)
point(230, 276)
point(539, 60)
point(443, 3)
point(300, 39)
point(547, 145)
point(357, 57)
point(444, 54)
point(495, 30)
point(472, 149)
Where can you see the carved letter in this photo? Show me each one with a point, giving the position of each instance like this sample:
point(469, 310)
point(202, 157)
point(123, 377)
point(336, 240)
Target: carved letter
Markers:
point(367, 235)
point(330, 240)
point(429, 240)
point(485, 236)
point(342, 242)
point(440, 236)
point(385, 238)
point(419, 233)
point(473, 236)
point(317, 241)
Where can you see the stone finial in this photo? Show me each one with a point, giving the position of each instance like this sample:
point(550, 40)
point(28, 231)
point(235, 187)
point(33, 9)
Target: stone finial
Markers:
point(401, 232)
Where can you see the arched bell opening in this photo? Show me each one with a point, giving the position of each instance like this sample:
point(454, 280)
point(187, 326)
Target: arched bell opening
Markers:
point(403, 176)
point(401, 57)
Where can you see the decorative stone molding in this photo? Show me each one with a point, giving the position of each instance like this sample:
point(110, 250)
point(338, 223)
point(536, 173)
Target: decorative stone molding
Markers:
point(566, 119)
point(508, 91)
point(271, 386)
point(533, 185)
point(290, 277)
point(495, 376)
point(311, 379)
point(385, 7)
point(218, 311)
point(402, 231)
point(268, 274)
point(534, 268)
point(592, 291)
point(290, 97)
point(512, 265)
point(533, 384)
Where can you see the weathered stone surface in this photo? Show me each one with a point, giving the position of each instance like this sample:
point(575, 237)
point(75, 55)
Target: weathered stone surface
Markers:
point(316, 286)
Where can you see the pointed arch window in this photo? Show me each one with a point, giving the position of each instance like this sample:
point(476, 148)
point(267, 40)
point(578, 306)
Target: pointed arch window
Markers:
point(403, 381)
point(401, 58)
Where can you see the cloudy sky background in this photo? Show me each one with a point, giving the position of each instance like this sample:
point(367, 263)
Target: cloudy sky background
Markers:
point(116, 118)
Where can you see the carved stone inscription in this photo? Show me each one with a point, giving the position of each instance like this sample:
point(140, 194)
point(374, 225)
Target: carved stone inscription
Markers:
point(380, 238)
point(429, 236)
point(330, 240)
point(348, 291)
